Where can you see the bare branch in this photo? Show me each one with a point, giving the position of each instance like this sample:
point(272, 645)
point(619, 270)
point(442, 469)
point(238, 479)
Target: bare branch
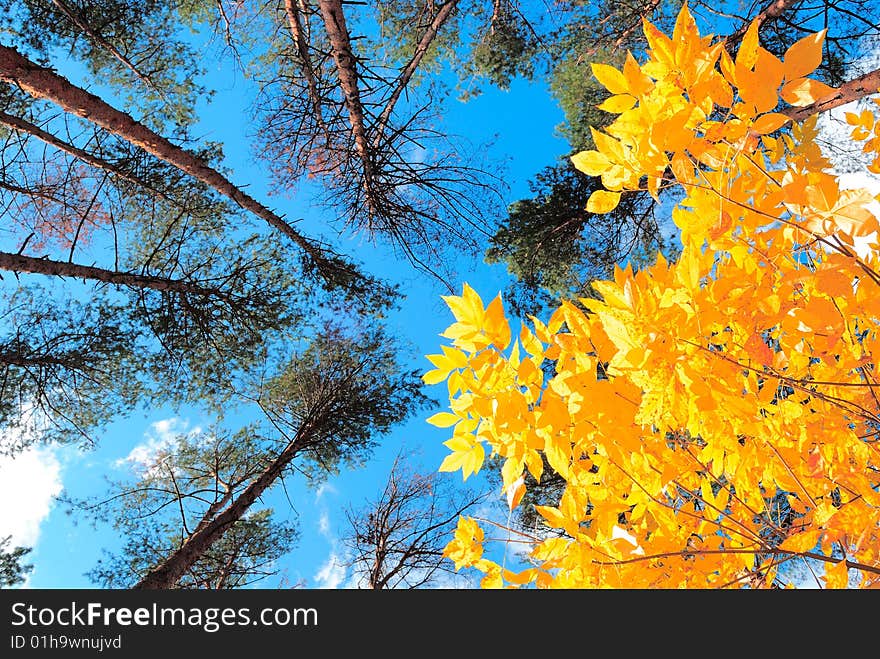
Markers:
point(101, 41)
point(302, 49)
point(407, 72)
point(24, 126)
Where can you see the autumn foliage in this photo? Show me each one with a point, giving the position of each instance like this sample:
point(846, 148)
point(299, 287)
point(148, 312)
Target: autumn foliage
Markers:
point(716, 417)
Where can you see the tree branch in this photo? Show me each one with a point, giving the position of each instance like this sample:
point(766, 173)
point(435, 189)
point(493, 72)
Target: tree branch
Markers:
point(340, 44)
point(853, 90)
point(101, 41)
point(302, 49)
point(21, 125)
point(44, 83)
point(773, 10)
point(19, 263)
point(409, 70)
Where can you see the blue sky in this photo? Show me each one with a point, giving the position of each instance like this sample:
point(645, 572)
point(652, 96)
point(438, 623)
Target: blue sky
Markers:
point(521, 121)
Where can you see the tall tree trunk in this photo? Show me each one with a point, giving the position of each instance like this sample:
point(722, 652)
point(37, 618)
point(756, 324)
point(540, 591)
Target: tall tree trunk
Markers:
point(43, 83)
point(168, 574)
point(340, 44)
point(18, 263)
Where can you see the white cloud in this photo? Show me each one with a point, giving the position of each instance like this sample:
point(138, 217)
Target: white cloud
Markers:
point(29, 482)
point(324, 488)
point(161, 436)
point(324, 525)
point(332, 573)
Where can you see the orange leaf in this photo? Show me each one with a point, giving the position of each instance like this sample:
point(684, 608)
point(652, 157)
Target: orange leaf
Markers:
point(804, 55)
point(804, 91)
point(836, 575)
point(660, 45)
point(801, 542)
point(767, 123)
point(747, 55)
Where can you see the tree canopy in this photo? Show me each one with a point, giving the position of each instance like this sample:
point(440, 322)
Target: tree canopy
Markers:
point(704, 278)
point(714, 417)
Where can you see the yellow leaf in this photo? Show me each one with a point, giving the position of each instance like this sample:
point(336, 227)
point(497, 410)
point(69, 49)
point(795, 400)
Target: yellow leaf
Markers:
point(444, 419)
point(638, 83)
point(514, 492)
point(836, 575)
point(551, 549)
point(531, 344)
point(558, 453)
point(602, 201)
point(520, 578)
point(534, 464)
point(452, 358)
point(660, 45)
point(708, 498)
point(683, 168)
point(467, 308)
point(495, 324)
point(804, 55)
point(719, 91)
point(466, 547)
point(492, 580)
point(511, 471)
point(555, 519)
point(804, 91)
point(434, 376)
point(747, 56)
point(767, 123)
point(452, 462)
point(759, 87)
point(606, 144)
point(618, 103)
point(612, 79)
point(593, 163)
point(685, 37)
point(801, 542)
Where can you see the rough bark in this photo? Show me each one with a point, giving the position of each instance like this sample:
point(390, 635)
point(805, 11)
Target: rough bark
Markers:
point(409, 70)
point(18, 263)
point(853, 90)
point(340, 44)
point(44, 83)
